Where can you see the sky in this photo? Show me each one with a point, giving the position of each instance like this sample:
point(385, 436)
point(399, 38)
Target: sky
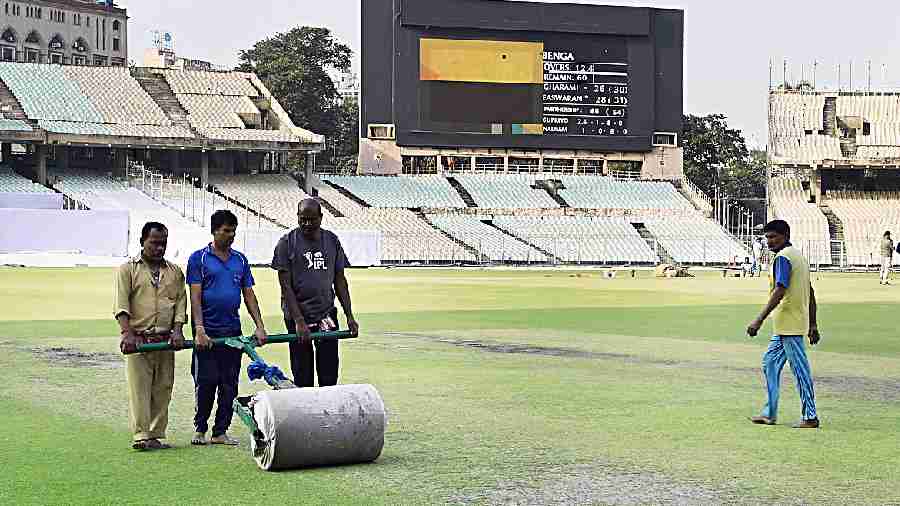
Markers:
point(728, 45)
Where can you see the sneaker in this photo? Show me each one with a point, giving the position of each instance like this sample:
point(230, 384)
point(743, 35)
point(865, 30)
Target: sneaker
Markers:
point(199, 439)
point(762, 420)
point(807, 424)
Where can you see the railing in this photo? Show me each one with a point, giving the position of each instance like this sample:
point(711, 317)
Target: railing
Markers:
point(557, 249)
point(697, 196)
point(185, 195)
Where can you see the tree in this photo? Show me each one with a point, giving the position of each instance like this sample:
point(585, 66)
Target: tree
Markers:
point(344, 146)
point(710, 148)
point(294, 66)
point(715, 155)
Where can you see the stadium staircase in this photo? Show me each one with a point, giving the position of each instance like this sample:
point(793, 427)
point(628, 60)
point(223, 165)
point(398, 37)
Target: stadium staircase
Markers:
point(347, 194)
point(829, 116)
point(249, 209)
point(552, 188)
point(470, 249)
point(12, 109)
point(327, 205)
point(836, 232)
point(523, 241)
point(848, 147)
point(654, 243)
point(463, 193)
point(159, 90)
point(690, 197)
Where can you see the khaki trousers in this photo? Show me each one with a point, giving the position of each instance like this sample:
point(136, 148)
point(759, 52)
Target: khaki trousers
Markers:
point(886, 268)
point(150, 380)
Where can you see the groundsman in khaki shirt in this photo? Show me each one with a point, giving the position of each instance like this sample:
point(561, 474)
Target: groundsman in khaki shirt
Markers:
point(150, 306)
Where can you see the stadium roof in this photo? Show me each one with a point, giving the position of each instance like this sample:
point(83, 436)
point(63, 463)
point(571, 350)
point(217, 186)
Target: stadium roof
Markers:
point(144, 107)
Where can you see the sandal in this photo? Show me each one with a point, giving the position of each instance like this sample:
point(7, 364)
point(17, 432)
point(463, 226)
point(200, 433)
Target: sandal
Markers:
point(224, 439)
point(199, 439)
point(156, 444)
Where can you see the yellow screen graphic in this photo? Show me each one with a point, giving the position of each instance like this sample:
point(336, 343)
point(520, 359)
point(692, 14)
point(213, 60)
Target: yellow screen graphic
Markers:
point(481, 61)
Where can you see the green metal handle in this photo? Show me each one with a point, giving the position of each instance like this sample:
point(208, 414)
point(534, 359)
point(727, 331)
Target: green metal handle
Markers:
point(248, 340)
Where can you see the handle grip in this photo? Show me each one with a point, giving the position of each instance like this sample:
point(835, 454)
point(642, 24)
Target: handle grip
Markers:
point(273, 339)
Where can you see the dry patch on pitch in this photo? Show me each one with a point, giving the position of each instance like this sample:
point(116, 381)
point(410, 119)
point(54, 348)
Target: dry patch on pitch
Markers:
point(71, 357)
point(602, 484)
point(872, 389)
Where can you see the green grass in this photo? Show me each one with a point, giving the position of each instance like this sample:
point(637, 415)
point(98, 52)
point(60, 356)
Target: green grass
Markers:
point(671, 396)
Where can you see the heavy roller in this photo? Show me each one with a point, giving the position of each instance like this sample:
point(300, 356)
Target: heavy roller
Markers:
point(294, 427)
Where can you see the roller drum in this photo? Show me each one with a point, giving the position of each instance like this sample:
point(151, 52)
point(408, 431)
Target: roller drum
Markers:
point(307, 427)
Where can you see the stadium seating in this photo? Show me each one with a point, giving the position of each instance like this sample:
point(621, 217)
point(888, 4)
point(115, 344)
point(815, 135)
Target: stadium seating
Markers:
point(694, 239)
point(341, 202)
point(274, 195)
point(506, 191)
point(404, 192)
point(592, 192)
point(872, 152)
point(79, 128)
point(490, 242)
point(14, 125)
point(241, 134)
point(405, 236)
point(581, 239)
point(809, 227)
point(210, 83)
point(116, 95)
point(866, 216)
point(217, 111)
point(808, 148)
point(10, 182)
point(871, 108)
point(86, 186)
point(45, 92)
point(796, 112)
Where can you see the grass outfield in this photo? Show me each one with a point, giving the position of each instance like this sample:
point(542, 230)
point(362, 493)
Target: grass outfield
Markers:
point(502, 386)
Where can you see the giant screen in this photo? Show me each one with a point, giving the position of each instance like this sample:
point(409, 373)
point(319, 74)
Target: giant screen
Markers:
point(551, 87)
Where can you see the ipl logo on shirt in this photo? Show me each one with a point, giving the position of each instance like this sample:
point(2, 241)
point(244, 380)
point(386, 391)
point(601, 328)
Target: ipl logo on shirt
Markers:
point(315, 261)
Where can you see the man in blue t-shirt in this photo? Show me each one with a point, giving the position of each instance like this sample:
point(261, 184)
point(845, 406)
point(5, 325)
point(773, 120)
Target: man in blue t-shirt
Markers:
point(218, 276)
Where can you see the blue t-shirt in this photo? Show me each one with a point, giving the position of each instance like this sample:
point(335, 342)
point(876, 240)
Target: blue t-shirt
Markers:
point(221, 283)
point(782, 272)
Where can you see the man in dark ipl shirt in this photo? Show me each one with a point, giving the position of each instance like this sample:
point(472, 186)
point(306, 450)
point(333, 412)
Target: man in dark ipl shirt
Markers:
point(310, 264)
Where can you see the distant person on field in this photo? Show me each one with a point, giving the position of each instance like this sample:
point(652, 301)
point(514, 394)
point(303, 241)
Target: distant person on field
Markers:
point(792, 300)
point(887, 258)
point(747, 268)
point(310, 262)
point(219, 276)
point(150, 307)
point(757, 255)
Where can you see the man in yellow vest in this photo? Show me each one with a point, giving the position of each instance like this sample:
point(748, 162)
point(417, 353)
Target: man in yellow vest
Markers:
point(793, 303)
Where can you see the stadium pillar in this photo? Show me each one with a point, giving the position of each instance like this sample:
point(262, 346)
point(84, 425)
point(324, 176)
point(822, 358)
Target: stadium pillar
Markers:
point(605, 167)
point(229, 162)
point(175, 161)
point(506, 163)
point(40, 151)
point(204, 168)
point(815, 184)
point(62, 158)
point(308, 172)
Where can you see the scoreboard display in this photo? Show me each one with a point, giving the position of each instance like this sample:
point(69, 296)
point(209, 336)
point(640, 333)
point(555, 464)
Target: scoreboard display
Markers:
point(522, 75)
point(505, 87)
point(584, 94)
